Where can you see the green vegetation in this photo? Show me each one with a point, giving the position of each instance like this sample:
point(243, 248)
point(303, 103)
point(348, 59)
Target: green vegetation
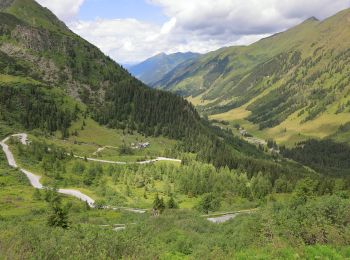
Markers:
point(37, 107)
point(304, 226)
point(77, 105)
point(324, 156)
point(58, 216)
point(343, 134)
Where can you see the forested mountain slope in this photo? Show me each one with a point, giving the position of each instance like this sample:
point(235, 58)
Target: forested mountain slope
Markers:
point(155, 68)
point(293, 82)
point(35, 46)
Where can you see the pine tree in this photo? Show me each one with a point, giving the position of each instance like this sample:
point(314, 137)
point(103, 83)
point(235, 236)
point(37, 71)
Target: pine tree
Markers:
point(158, 204)
point(37, 194)
point(209, 203)
point(58, 216)
point(171, 203)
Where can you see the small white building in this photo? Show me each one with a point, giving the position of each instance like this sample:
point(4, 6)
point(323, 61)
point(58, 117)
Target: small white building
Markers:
point(140, 145)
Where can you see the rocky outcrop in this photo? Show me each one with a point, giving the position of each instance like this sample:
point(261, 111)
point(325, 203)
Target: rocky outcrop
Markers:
point(5, 3)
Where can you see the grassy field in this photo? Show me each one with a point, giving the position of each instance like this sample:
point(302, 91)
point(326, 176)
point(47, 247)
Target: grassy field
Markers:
point(16, 79)
point(91, 136)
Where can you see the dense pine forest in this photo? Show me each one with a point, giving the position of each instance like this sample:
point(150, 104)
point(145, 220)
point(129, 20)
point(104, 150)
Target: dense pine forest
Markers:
point(325, 156)
point(36, 107)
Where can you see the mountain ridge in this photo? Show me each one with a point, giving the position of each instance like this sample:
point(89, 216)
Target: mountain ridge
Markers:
point(154, 68)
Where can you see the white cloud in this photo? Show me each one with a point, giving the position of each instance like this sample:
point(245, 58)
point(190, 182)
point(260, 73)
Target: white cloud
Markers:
point(194, 25)
point(64, 9)
point(168, 26)
point(318, 8)
point(130, 41)
point(246, 16)
point(126, 40)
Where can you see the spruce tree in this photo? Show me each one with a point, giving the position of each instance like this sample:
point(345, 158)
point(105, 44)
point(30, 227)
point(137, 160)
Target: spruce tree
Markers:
point(171, 203)
point(58, 216)
point(158, 204)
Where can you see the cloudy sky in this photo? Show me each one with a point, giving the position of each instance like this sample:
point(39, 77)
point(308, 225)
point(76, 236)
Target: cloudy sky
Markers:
point(132, 30)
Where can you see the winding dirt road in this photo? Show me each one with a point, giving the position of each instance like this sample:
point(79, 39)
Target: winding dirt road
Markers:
point(158, 159)
point(224, 217)
point(35, 179)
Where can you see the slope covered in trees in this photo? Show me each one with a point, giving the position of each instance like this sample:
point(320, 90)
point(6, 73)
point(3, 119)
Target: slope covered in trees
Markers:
point(324, 156)
point(36, 107)
point(35, 45)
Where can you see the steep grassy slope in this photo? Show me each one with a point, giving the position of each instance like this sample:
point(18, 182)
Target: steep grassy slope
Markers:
point(291, 84)
point(153, 69)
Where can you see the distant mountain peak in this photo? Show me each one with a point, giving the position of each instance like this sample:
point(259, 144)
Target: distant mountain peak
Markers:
point(312, 19)
point(161, 54)
point(154, 68)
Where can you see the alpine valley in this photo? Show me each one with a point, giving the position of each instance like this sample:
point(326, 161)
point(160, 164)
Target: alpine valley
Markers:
point(290, 87)
point(240, 153)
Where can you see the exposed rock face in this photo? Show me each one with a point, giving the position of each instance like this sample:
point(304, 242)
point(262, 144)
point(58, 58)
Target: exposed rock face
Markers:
point(5, 3)
point(32, 38)
point(45, 67)
point(35, 47)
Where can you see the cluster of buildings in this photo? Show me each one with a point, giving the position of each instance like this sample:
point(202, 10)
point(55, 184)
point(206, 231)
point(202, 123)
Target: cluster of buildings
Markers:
point(140, 145)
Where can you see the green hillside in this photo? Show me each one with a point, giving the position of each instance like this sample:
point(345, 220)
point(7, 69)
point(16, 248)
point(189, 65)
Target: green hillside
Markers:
point(35, 45)
point(290, 86)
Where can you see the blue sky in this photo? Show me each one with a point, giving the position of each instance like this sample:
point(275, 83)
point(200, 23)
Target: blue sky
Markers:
point(122, 9)
point(131, 31)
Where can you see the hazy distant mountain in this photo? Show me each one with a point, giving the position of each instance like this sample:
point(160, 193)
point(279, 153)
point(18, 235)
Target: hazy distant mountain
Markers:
point(156, 67)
